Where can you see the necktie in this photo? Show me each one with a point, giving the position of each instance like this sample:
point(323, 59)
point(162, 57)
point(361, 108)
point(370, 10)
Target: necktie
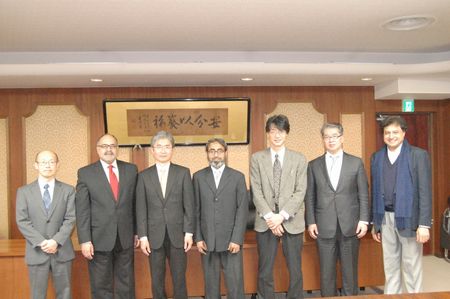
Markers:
point(47, 199)
point(276, 177)
point(163, 181)
point(113, 182)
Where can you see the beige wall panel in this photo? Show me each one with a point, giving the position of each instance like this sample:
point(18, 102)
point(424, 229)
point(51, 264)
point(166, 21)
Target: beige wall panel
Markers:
point(60, 128)
point(4, 222)
point(124, 154)
point(305, 124)
point(353, 137)
point(194, 157)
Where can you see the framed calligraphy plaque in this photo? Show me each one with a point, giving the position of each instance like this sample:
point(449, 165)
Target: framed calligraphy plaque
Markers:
point(191, 121)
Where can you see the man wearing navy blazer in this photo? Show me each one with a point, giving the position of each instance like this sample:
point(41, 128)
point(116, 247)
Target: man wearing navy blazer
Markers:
point(337, 211)
point(401, 206)
point(221, 210)
point(105, 206)
point(45, 215)
point(278, 183)
point(165, 216)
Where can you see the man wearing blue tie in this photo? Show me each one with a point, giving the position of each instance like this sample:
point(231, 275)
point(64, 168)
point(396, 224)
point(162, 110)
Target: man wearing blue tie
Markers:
point(45, 215)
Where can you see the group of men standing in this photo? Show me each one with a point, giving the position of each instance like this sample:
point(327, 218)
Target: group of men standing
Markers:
point(162, 211)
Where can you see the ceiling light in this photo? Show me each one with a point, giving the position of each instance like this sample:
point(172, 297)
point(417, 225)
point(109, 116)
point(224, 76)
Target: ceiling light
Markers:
point(408, 22)
point(366, 79)
point(96, 80)
point(247, 79)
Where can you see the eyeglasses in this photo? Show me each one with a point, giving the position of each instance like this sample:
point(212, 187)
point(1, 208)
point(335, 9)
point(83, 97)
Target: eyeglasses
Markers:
point(44, 163)
point(161, 147)
point(331, 138)
point(107, 146)
point(218, 152)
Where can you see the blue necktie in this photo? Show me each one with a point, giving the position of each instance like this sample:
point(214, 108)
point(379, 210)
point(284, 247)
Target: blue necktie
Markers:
point(46, 198)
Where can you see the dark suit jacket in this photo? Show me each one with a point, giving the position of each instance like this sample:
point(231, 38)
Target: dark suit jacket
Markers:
point(99, 217)
point(345, 206)
point(420, 171)
point(36, 226)
point(221, 212)
point(174, 213)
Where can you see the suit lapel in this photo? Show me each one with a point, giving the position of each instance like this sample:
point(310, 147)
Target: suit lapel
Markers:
point(104, 180)
point(171, 178)
point(122, 180)
point(285, 169)
point(155, 181)
point(223, 180)
point(267, 164)
point(323, 166)
point(209, 177)
point(56, 198)
point(344, 164)
point(36, 193)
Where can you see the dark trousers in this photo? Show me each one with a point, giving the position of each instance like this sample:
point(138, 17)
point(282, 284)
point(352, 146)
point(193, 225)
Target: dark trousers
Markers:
point(112, 273)
point(177, 262)
point(292, 245)
point(231, 263)
point(345, 249)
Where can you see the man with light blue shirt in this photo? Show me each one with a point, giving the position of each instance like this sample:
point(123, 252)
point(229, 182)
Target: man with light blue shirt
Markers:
point(337, 211)
point(278, 184)
point(45, 215)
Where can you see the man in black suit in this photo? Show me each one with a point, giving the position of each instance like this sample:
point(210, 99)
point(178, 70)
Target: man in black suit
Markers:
point(221, 210)
point(337, 211)
point(105, 202)
point(165, 216)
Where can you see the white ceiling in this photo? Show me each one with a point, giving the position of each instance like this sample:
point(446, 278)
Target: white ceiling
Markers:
point(65, 43)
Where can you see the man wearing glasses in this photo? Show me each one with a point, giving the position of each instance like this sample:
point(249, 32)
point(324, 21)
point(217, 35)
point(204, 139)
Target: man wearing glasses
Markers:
point(105, 202)
point(337, 211)
point(278, 180)
point(221, 210)
point(45, 215)
point(165, 216)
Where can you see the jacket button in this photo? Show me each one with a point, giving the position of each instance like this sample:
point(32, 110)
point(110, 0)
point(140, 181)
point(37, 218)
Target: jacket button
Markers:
point(216, 199)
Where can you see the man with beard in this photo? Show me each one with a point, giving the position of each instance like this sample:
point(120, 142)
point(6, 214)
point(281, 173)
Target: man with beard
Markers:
point(221, 210)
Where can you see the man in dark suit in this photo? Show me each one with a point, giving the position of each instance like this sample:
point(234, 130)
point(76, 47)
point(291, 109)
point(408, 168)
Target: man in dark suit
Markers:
point(221, 210)
point(337, 211)
point(165, 216)
point(105, 202)
point(45, 215)
point(401, 206)
point(278, 182)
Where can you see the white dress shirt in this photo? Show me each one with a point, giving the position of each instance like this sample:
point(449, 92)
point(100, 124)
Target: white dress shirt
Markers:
point(217, 172)
point(105, 167)
point(51, 186)
point(334, 168)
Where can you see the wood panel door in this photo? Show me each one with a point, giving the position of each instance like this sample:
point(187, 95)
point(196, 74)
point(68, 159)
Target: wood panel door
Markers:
point(418, 134)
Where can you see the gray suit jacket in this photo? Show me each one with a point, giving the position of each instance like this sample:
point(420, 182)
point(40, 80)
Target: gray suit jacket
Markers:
point(175, 212)
point(420, 171)
point(345, 206)
point(292, 189)
point(99, 217)
point(221, 212)
point(36, 226)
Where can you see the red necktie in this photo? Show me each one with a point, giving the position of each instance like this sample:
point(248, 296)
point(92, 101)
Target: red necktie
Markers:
point(113, 182)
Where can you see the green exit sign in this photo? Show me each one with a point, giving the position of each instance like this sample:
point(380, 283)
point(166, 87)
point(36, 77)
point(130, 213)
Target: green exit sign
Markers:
point(408, 105)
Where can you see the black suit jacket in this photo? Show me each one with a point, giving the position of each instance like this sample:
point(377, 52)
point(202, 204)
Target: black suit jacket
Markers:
point(174, 213)
point(99, 217)
point(345, 206)
point(221, 212)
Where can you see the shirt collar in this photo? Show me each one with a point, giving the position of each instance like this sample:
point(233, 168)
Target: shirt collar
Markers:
point(219, 170)
point(162, 166)
point(337, 155)
point(106, 165)
point(280, 153)
point(42, 183)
